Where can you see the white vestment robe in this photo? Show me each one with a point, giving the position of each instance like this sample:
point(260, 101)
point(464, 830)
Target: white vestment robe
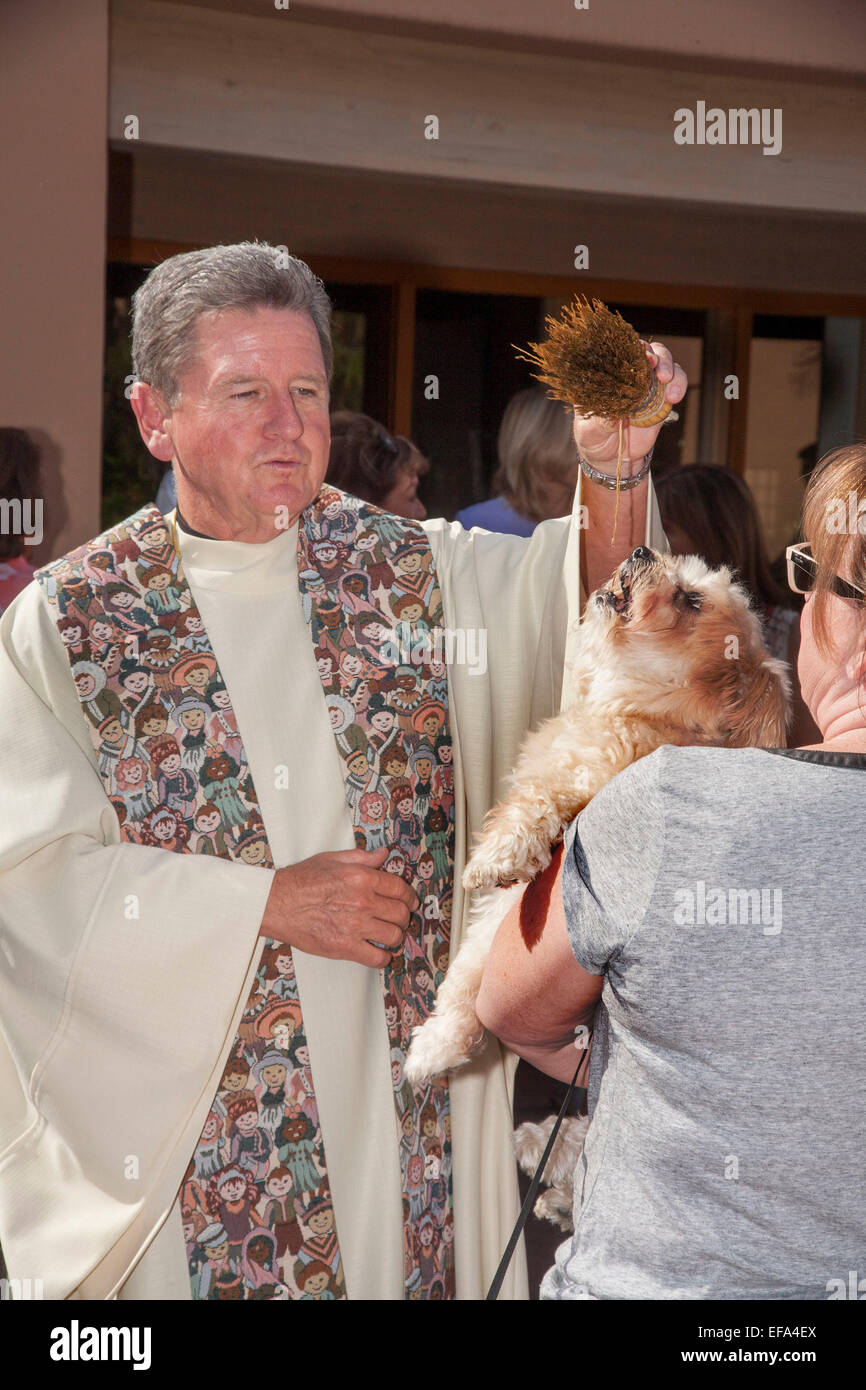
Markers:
point(124, 969)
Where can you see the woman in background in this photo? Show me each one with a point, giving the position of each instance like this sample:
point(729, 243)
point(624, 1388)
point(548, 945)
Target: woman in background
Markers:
point(537, 471)
point(727, 1103)
point(709, 511)
point(376, 466)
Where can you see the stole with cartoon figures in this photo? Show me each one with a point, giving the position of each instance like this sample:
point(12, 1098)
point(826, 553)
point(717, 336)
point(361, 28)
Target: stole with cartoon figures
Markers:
point(256, 1202)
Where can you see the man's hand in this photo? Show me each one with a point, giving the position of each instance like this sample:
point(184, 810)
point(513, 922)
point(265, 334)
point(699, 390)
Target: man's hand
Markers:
point(598, 440)
point(337, 904)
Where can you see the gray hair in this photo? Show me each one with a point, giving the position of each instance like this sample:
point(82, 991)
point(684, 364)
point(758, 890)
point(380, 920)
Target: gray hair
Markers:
point(248, 275)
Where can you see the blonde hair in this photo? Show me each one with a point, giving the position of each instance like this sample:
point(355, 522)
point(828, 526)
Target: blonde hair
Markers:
point(836, 551)
point(537, 469)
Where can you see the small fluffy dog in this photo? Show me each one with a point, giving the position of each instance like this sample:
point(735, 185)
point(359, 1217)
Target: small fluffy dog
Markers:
point(668, 651)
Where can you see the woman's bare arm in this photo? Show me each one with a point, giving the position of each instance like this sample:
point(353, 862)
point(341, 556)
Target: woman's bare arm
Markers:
point(534, 995)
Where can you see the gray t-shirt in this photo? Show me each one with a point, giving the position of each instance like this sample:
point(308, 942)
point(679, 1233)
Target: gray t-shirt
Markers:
point(721, 894)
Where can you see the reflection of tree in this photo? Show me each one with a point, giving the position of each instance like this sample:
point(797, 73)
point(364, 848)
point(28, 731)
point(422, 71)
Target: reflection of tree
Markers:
point(130, 475)
point(347, 384)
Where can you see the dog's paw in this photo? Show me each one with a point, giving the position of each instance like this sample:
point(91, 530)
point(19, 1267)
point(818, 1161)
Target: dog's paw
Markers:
point(481, 872)
point(436, 1048)
point(530, 1141)
point(555, 1205)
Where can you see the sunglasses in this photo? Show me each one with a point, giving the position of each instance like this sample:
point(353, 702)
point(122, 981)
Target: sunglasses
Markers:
point(803, 570)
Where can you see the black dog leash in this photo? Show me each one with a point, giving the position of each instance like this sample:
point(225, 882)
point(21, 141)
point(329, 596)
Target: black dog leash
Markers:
point(529, 1201)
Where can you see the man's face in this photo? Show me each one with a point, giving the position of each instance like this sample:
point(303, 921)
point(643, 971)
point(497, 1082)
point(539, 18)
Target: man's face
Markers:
point(250, 432)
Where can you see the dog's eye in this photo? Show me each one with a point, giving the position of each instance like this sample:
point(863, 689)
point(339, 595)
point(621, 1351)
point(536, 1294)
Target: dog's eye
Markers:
point(689, 599)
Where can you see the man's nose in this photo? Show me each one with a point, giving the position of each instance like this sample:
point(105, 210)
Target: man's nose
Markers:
point(286, 416)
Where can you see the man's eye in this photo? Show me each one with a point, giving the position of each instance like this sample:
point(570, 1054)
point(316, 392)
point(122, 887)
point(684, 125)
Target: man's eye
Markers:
point(242, 395)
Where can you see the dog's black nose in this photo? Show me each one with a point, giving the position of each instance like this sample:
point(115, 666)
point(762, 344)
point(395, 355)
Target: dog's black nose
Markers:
point(642, 554)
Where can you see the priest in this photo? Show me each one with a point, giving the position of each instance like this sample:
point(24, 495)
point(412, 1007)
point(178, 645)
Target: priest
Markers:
point(221, 805)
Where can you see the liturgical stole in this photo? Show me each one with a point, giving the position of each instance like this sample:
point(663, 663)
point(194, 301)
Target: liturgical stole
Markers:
point(255, 1199)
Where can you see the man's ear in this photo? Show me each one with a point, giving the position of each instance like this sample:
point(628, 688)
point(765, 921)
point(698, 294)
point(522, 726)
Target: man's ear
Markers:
point(152, 416)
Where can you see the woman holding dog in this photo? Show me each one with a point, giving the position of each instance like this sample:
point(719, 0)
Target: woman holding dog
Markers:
point(723, 980)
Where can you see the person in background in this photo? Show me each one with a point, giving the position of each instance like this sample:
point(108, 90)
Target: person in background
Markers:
point(19, 481)
point(724, 1155)
point(379, 467)
point(537, 471)
point(710, 511)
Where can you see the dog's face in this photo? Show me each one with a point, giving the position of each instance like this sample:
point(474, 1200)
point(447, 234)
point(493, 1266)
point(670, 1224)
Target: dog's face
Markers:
point(669, 638)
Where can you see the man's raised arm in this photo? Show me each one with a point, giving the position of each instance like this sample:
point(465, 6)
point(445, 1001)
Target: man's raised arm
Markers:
point(610, 537)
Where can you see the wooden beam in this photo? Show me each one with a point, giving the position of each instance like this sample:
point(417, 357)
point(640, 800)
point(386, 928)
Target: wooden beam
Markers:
point(470, 281)
point(211, 81)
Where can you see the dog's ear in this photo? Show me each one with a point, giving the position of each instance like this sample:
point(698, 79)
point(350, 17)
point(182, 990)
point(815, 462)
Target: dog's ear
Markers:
point(761, 710)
